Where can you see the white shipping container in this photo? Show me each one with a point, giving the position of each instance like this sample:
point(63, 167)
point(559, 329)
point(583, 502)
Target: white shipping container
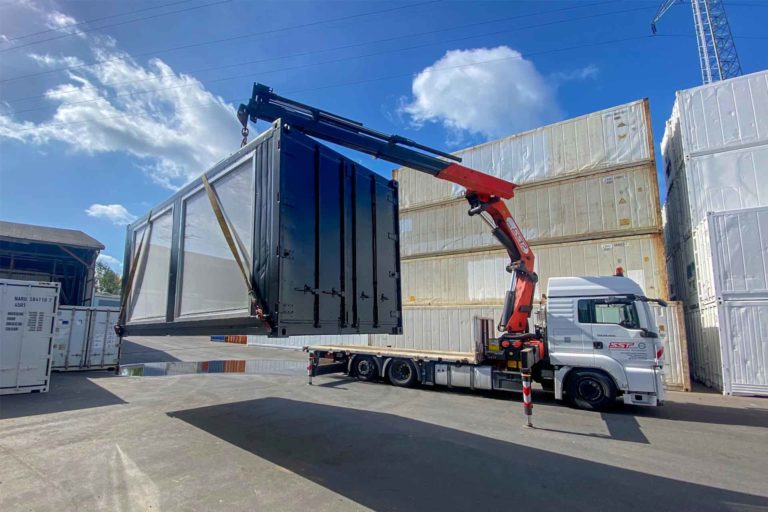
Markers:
point(27, 314)
point(480, 277)
point(586, 207)
point(298, 342)
point(728, 343)
point(731, 249)
point(447, 329)
point(726, 114)
point(671, 323)
point(715, 149)
point(615, 137)
point(681, 268)
point(85, 338)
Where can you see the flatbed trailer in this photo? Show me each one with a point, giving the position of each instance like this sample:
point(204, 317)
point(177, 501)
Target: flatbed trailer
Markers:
point(410, 367)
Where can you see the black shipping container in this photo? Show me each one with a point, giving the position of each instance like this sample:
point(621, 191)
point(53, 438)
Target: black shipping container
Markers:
point(318, 234)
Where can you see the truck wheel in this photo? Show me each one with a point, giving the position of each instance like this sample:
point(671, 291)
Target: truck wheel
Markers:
point(365, 368)
point(591, 390)
point(402, 372)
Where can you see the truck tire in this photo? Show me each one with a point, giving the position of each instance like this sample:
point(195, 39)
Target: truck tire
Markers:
point(365, 368)
point(402, 372)
point(591, 390)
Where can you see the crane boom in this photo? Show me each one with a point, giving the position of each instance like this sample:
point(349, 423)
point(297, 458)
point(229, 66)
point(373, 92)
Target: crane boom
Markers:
point(484, 193)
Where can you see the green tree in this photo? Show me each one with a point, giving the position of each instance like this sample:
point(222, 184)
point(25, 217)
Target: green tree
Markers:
point(107, 280)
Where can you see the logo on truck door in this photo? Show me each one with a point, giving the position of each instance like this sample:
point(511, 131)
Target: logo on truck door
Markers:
point(621, 344)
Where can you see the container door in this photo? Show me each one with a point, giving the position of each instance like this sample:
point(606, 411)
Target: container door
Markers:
point(744, 342)
point(104, 343)
point(76, 340)
point(37, 329)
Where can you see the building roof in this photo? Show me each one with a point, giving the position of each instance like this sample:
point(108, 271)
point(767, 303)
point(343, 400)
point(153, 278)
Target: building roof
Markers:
point(16, 232)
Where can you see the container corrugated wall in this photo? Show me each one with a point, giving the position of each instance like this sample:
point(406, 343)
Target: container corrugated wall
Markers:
point(612, 203)
point(671, 324)
point(480, 277)
point(85, 338)
point(607, 139)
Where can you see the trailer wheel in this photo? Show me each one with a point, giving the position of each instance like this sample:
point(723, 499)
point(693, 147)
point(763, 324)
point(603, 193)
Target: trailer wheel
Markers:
point(402, 372)
point(365, 368)
point(591, 390)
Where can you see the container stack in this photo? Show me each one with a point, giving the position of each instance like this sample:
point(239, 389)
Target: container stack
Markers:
point(715, 152)
point(587, 201)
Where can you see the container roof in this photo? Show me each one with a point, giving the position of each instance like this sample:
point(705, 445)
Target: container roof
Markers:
point(595, 286)
point(15, 232)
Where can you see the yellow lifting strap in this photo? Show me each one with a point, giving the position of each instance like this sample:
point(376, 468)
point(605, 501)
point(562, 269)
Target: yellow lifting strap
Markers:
point(132, 272)
point(229, 237)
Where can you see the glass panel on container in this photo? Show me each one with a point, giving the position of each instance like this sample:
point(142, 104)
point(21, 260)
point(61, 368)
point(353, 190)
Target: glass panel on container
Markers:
point(150, 296)
point(211, 281)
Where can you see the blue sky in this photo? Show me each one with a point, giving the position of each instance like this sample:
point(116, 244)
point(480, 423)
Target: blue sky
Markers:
point(102, 116)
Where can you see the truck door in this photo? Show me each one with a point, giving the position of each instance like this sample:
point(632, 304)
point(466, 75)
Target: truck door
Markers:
point(617, 332)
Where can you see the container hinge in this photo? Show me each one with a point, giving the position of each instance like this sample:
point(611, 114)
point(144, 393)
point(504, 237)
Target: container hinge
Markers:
point(392, 236)
point(307, 289)
point(383, 298)
point(284, 253)
point(395, 314)
point(334, 292)
point(394, 274)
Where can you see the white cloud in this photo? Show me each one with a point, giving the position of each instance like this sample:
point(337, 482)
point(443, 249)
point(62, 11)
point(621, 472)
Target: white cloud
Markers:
point(111, 261)
point(51, 61)
point(486, 91)
point(57, 20)
point(116, 213)
point(589, 72)
point(168, 121)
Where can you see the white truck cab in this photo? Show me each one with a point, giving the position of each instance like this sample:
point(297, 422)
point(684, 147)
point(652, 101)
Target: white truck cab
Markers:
point(601, 328)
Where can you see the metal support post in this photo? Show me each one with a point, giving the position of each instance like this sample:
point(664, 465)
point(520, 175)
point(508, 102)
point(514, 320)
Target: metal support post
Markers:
point(309, 367)
point(527, 402)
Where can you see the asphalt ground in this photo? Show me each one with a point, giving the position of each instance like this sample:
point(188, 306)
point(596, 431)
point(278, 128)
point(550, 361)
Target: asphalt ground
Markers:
point(265, 440)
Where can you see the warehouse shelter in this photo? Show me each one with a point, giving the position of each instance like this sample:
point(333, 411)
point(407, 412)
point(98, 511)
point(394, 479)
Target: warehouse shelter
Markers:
point(39, 253)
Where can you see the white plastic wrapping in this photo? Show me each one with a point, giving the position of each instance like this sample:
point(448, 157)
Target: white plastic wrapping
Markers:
point(715, 151)
point(480, 278)
point(587, 207)
point(726, 114)
point(731, 250)
point(728, 343)
point(610, 138)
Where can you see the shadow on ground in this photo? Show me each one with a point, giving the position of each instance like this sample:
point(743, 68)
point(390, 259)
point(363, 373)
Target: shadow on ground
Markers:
point(131, 352)
point(388, 463)
point(69, 391)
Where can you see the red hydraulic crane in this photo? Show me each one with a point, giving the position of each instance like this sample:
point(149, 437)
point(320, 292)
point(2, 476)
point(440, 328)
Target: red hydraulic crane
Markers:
point(484, 193)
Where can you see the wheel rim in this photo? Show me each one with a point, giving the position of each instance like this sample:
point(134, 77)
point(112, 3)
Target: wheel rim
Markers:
point(364, 367)
point(401, 371)
point(590, 390)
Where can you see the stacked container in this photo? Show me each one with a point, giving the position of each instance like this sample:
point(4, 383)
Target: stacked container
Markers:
point(715, 152)
point(587, 201)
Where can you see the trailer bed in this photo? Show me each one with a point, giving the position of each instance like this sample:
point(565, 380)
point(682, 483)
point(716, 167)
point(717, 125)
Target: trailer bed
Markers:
point(422, 355)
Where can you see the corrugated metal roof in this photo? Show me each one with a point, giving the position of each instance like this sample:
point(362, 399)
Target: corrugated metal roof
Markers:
point(27, 232)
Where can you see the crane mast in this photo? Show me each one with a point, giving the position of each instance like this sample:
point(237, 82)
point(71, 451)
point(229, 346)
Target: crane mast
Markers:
point(717, 52)
point(484, 193)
